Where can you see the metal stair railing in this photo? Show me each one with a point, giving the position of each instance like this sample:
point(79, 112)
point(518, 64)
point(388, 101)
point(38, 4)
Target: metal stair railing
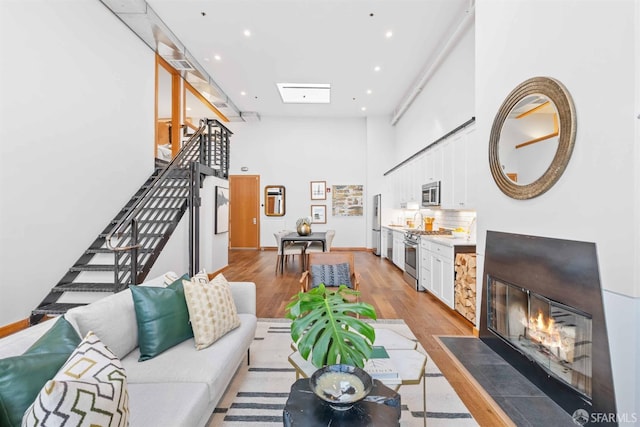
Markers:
point(129, 246)
point(153, 216)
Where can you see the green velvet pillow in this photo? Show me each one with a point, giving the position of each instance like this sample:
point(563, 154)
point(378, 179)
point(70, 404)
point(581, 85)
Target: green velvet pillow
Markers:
point(162, 316)
point(22, 377)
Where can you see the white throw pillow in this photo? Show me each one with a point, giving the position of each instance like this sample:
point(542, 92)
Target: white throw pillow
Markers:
point(212, 310)
point(112, 318)
point(89, 390)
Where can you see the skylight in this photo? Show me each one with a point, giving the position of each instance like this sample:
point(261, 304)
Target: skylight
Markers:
point(305, 93)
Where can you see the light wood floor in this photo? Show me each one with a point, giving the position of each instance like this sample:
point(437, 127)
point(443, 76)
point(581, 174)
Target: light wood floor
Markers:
point(383, 287)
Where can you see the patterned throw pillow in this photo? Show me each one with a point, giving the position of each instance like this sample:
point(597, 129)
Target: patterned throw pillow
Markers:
point(89, 390)
point(22, 377)
point(331, 275)
point(212, 310)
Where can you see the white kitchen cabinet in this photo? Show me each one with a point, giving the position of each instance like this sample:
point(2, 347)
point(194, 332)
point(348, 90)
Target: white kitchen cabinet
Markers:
point(468, 174)
point(456, 176)
point(462, 173)
point(433, 165)
point(447, 184)
point(437, 270)
point(459, 195)
point(425, 266)
point(442, 276)
point(398, 249)
point(456, 171)
point(405, 184)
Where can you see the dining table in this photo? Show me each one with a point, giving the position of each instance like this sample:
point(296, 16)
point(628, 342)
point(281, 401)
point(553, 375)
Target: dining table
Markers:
point(316, 236)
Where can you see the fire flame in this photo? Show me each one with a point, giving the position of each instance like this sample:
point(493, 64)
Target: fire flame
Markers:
point(544, 331)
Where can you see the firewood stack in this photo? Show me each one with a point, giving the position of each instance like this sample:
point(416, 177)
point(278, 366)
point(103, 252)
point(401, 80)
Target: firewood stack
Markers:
point(465, 286)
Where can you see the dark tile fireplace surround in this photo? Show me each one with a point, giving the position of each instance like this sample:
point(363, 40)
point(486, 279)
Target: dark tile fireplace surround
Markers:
point(542, 311)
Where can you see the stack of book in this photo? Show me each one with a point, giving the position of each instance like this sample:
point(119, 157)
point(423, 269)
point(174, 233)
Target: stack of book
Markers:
point(381, 367)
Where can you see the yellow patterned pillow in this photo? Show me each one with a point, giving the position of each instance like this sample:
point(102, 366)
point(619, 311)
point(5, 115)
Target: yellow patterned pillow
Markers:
point(211, 308)
point(89, 390)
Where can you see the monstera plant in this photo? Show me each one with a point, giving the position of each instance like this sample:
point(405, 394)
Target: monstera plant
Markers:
point(326, 326)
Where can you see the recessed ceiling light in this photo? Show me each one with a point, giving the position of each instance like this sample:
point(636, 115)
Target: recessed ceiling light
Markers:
point(376, 68)
point(364, 108)
point(188, 108)
point(243, 93)
point(217, 57)
point(388, 34)
point(247, 33)
point(369, 91)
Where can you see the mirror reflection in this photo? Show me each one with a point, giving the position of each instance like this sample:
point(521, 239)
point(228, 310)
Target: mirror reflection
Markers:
point(532, 138)
point(529, 139)
point(274, 200)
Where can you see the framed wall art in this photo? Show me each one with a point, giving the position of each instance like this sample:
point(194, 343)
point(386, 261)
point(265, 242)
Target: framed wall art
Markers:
point(318, 214)
point(347, 200)
point(318, 190)
point(222, 210)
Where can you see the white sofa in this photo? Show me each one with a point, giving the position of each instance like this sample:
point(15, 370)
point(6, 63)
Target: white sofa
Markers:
point(179, 387)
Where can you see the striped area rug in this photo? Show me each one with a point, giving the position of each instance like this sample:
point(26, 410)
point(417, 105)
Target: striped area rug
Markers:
point(258, 392)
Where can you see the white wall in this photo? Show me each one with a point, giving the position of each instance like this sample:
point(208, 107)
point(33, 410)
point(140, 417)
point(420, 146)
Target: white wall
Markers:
point(294, 151)
point(214, 248)
point(76, 137)
point(447, 101)
point(519, 40)
point(380, 136)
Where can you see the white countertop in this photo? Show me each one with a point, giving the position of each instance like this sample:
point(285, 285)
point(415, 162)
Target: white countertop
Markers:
point(442, 239)
point(450, 241)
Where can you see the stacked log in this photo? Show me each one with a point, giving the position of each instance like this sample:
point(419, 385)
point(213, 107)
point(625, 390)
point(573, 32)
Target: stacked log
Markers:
point(465, 286)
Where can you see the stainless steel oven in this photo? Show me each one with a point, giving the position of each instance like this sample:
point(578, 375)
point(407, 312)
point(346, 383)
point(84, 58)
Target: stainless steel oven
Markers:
point(411, 259)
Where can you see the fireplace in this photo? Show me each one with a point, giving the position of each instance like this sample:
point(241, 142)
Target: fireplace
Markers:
point(543, 313)
point(553, 335)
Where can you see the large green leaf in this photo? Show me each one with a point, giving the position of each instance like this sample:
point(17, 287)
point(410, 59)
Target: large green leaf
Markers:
point(325, 326)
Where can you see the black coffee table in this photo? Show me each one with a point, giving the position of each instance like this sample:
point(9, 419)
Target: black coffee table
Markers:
point(304, 409)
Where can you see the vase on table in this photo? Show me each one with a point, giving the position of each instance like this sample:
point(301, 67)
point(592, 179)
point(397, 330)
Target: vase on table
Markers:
point(304, 229)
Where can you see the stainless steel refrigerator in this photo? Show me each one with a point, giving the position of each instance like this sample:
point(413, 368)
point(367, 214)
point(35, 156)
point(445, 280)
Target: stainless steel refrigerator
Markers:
point(377, 213)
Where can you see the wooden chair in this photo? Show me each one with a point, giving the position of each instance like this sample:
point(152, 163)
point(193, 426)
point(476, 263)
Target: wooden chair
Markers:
point(329, 258)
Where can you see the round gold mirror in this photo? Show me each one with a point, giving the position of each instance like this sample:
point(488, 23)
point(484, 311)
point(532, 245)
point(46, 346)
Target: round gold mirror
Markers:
point(532, 138)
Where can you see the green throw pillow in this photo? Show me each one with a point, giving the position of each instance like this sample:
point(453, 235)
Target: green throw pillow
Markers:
point(62, 337)
point(22, 377)
point(162, 316)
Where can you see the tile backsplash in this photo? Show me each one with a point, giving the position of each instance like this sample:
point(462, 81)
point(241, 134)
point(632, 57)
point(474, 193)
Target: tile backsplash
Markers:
point(449, 219)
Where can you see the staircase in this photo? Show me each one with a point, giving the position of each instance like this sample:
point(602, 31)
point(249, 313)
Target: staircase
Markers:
point(124, 252)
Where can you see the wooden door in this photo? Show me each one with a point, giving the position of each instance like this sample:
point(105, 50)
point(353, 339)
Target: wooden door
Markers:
point(244, 211)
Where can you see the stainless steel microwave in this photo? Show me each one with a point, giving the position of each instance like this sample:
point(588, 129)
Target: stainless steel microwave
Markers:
point(431, 194)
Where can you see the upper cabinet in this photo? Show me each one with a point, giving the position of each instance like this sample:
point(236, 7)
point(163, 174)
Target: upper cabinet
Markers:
point(458, 170)
point(446, 181)
point(463, 169)
point(433, 167)
point(450, 162)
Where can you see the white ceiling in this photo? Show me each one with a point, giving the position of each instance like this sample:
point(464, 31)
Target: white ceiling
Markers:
point(314, 41)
